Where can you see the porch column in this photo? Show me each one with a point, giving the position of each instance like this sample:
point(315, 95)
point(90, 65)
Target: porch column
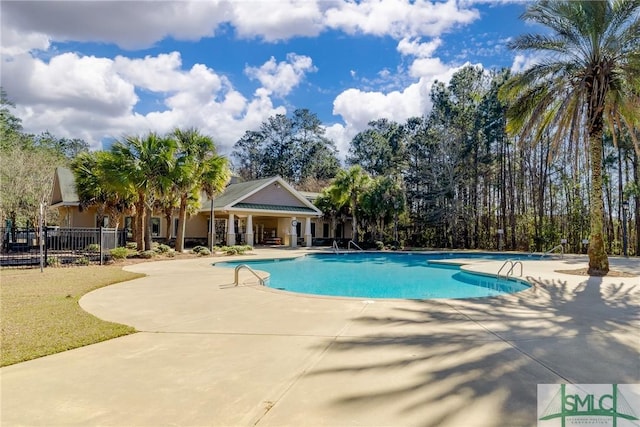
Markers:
point(231, 231)
point(307, 232)
point(294, 235)
point(248, 237)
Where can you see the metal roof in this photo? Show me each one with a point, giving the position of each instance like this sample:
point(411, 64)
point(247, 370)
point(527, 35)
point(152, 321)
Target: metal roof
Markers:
point(265, 207)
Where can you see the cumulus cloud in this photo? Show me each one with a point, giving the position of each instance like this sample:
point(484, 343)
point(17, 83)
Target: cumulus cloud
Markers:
point(415, 47)
point(140, 24)
point(398, 18)
point(523, 61)
point(129, 24)
point(278, 20)
point(280, 78)
point(95, 97)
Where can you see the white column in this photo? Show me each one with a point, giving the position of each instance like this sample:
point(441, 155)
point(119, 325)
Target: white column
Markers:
point(249, 234)
point(294, 235)
point(307, 232)
point(231, 231)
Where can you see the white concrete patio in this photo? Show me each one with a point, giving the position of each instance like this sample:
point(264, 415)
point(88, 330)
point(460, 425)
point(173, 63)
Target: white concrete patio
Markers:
point(212, 355)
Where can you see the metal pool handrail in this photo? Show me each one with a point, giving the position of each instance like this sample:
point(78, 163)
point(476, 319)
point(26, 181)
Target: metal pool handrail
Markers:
point(335, 247)
point(351, 242)
point(512, 267)
point(236, 279)
point(555, 248)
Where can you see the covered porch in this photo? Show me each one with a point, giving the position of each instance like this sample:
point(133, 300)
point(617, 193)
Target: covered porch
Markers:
point(261, 212)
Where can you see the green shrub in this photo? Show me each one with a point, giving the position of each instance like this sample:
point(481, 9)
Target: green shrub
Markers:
point(132, 246)
point(119, 253)
point(93, 247)
point(162, 249)
point(204, 252)
point(82, 261)
point(53, 261)
point(199, 249)
point(171, 253)
point(379, 245)
point(147, 254)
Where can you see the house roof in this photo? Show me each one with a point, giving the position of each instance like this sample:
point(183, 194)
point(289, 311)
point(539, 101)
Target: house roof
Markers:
point(64, 191)
point(236, 192)
point(252, 196)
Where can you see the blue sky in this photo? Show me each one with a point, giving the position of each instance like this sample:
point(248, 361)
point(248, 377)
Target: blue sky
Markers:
point(102, 70)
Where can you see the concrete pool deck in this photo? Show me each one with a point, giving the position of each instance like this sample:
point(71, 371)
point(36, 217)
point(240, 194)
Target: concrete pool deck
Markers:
point(208, 354)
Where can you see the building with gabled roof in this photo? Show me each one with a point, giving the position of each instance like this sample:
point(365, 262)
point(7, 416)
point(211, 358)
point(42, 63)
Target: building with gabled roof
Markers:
point(266, 211)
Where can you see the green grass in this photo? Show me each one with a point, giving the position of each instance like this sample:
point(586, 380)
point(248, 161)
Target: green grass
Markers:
point(40, 314)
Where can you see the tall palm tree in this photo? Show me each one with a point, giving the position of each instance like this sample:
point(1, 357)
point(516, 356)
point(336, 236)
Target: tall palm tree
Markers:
point(197, 168)
point(140, 166)
point(94, 187)
point(590, 73)
point(347, 188)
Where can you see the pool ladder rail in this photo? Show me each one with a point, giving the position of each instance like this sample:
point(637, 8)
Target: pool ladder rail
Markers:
point(555, 248)
point(351, 242)
point(236, 280)
point(512, 266)
point(336, 249)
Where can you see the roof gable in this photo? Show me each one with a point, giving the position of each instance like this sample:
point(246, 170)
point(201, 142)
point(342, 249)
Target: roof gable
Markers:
point(64, 188)
point(269, 194)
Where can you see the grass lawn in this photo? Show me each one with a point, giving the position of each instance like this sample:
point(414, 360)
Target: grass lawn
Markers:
point(40, 313)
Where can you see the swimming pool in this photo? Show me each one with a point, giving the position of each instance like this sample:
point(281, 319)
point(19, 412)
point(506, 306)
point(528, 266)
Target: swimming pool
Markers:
point(382, 275)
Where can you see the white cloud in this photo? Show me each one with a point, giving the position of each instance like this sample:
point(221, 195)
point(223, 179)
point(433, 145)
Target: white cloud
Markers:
point(139, 24)
point(95, 98)
point(408, 46)
point(398, 18)
point(81, 82)
point(99, 97)
point(276, 20)
point(342, 136)
point(358, 108)
point(129, 24)
point(15, 43)
point(163, 73)
point(522, 62)
point(280, 78)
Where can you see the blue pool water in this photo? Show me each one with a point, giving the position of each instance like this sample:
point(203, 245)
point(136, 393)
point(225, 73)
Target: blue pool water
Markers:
point(381, 275)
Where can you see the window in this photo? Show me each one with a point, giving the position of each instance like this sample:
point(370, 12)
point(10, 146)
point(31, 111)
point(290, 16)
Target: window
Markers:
point(325, 230)
point(105, 222)
point(176, 224)
point(128, 225)
point(155, 227)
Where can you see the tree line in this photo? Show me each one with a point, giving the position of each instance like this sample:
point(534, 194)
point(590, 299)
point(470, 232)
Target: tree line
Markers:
point(519, 162)
point(501, 161)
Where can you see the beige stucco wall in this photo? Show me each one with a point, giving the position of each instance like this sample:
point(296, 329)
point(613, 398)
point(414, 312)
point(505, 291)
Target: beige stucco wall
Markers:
point(197, 227)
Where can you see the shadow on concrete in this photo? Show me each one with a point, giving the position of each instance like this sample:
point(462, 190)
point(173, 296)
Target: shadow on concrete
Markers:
point(494, 351)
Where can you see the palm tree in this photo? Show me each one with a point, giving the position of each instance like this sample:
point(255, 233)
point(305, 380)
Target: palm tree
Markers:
point(140, 166)
point(197, 168)
point(346, 189)
point(590, 74)
point(94, 187)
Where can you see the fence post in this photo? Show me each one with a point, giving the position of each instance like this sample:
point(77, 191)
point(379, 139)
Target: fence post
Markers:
point(101, 244)
point(46, 245)
point(40, 236)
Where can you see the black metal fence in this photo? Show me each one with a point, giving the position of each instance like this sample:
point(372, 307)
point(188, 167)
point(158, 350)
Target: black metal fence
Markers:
point(58, 247)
